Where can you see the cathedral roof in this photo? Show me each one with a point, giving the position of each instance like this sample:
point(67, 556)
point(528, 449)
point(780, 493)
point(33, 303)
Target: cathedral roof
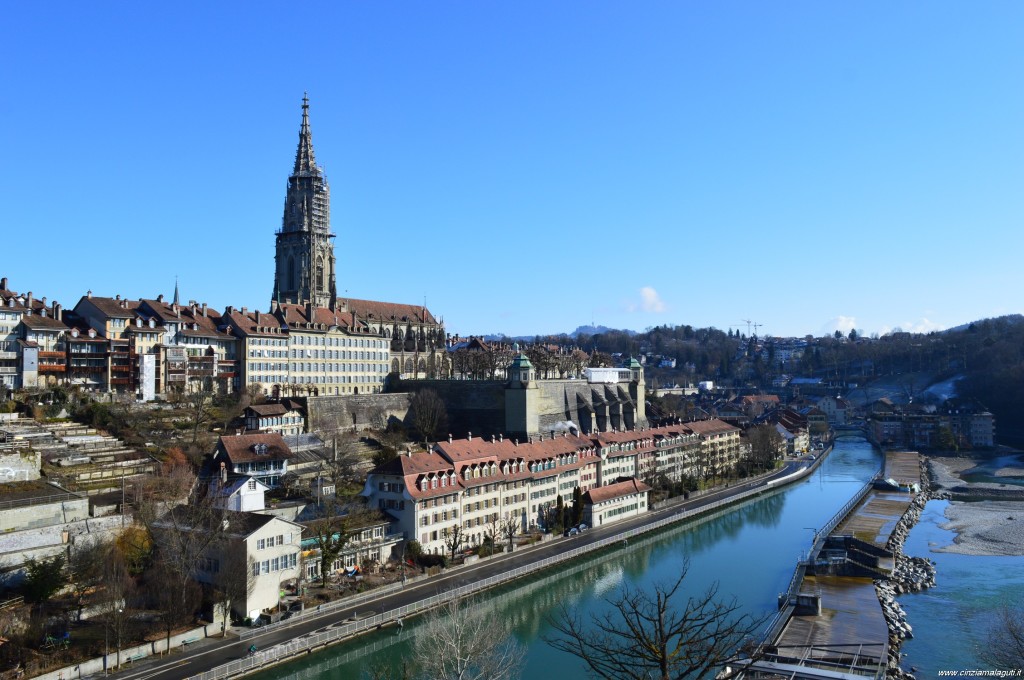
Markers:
point(389, 312)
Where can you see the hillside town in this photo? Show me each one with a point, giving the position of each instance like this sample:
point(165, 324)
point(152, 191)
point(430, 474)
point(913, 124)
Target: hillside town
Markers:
point(163, 462)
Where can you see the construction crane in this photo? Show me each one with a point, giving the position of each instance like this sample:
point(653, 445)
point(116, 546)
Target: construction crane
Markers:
point(751, 322)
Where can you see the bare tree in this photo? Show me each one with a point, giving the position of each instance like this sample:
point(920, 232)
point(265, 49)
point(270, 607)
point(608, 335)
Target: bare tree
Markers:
point(1005, 648)
point(461, 641)
point(183, 536)
point(86, 566)
point(234, 582)
point(428, 414)
point(766, 447)
point(645, 635)
point(330, 534)
point(492, 530)
point(115, 599)
point(454, 536)
point(509, 528)
point(199, 408)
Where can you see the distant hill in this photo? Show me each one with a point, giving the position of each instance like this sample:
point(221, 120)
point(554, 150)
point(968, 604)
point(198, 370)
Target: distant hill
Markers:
point(1009, 318)
point(582, 330)
point(596, 330)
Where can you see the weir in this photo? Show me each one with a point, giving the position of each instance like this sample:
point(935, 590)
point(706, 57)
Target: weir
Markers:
point(830, 623)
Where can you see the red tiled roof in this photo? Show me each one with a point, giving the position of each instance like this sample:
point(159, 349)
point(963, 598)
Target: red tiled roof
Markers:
point(710, 427)
point(604, 493)
point(240, 448)
point(392, 312)
point(247, 324)
point(268, 409)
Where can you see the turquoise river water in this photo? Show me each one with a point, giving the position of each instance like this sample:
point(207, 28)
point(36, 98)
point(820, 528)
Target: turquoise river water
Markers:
point(750, 550)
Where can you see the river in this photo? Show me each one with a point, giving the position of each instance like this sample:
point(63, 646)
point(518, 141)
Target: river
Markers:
point(951, 620)
point(750, 550)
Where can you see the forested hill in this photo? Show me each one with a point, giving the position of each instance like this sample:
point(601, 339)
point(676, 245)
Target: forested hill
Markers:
point(984, 358)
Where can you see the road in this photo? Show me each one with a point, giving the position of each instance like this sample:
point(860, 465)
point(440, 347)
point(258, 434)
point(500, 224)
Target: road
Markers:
point(211, 652)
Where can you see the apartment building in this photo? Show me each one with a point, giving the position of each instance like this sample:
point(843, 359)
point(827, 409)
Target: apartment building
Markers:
point(474, 483)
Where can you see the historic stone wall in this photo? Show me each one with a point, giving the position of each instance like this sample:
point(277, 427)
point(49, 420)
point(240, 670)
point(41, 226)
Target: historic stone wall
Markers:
point(359, 411)
point(479, 406)
point(476, 406)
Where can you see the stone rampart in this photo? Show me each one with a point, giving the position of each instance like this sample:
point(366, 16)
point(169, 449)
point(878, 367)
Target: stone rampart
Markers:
point(476, 406)
point(359, 411)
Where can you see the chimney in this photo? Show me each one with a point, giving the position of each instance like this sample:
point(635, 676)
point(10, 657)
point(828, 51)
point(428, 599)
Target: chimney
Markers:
point(204, 309)
point(223, 474)
point(515, 442)
point(160, 297)
point(88, 294)
point(469, 436)
point(245, 310)
point(3, 283)
point(28, 302)
point(449, 437)
point(257, 317)
point(501, 437)
point(58, 311)
point(229, 310)
point(43, 300)
point(116, 297)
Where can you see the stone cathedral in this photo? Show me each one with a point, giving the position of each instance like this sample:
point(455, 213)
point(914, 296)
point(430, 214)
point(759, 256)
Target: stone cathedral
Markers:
point(305, 248)
point(305, 285)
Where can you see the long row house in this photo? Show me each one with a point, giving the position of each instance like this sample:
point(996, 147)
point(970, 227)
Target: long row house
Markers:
point(475, 484)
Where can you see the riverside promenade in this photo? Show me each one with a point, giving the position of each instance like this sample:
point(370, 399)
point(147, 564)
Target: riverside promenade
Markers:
point(314, 629)
point(832, 624)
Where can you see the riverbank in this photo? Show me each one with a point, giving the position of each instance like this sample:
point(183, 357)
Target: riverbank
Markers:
point(987, 518)
point(992, 523)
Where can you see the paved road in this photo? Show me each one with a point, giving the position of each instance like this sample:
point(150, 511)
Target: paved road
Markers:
point(211, 652)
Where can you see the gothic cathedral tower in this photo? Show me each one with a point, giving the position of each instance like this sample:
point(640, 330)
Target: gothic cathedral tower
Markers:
point(305, 248)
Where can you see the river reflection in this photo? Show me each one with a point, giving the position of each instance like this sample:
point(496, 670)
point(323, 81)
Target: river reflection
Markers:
point(749, 550)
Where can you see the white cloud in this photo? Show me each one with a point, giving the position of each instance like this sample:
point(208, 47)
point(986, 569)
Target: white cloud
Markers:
point(923, 325)
point(651, 301)
point(839, 323)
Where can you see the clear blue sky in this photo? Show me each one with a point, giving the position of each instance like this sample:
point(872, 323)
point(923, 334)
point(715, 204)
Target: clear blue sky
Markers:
point(528, 167)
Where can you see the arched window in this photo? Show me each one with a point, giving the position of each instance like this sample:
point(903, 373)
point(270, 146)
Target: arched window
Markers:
point(395, 366)
point(320, 280)
point(291, 274)
point(408, 365)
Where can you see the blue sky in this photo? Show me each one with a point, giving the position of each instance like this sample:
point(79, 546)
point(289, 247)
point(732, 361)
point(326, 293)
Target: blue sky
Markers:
point(529, 167)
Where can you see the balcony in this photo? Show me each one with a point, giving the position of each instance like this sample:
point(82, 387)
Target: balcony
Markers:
point(52, 368)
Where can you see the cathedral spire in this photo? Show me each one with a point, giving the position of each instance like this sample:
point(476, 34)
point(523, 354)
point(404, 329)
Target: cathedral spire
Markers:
point(305, 161)
point(176, 291)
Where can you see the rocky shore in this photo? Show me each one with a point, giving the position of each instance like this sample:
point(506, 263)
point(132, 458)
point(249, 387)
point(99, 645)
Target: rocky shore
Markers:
point(909, 575)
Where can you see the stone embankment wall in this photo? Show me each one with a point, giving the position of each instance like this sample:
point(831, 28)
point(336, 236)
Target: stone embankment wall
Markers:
point(359, 411)
point(909, 575)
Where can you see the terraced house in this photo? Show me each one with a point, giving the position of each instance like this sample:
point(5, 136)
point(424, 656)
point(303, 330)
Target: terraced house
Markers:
point(474, 483)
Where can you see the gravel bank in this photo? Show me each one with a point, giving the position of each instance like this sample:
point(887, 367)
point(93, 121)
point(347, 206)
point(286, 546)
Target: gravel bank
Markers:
point(986, 527)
